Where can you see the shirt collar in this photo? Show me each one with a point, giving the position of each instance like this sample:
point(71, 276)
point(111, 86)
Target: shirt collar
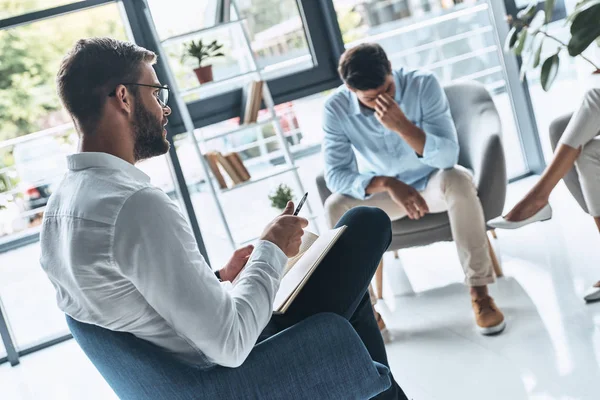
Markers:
point(87, 160)
point(357, 108)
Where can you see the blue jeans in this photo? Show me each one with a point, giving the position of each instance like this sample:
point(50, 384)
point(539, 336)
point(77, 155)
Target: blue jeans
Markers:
point(340, 284)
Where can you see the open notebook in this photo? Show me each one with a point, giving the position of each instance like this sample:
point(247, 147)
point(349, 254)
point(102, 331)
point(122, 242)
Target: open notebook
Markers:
point(300, 267)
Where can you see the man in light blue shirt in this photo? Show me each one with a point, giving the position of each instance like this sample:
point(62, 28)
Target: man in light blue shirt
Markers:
point(390, 142)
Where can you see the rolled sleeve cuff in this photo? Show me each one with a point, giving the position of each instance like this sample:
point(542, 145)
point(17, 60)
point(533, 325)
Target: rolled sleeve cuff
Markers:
point(431, 149)
point(270, 254)
point(359, 188)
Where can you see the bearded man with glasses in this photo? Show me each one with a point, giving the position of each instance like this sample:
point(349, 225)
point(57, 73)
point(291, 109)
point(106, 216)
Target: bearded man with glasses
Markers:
point(122, 256)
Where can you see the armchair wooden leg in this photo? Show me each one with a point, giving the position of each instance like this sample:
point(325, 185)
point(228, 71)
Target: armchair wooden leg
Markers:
point(378, 318)
point(396, 256)
point(495, 263)
point(493, 233)
point(379, 279)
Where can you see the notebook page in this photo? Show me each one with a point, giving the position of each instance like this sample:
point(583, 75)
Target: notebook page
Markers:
point(307, 240)
point(304, 266)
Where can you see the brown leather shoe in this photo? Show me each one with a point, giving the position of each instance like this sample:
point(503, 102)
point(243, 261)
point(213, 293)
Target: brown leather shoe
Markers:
point(489, 318)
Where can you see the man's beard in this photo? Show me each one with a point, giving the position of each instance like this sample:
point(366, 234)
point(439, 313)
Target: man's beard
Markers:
point(148, 131)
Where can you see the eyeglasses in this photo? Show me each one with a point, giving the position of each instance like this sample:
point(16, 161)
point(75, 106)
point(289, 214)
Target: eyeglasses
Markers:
point(162, 95)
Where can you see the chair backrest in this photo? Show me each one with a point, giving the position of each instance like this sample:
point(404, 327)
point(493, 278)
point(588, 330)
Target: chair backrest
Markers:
point(479, 131)
point(337, 365)
point(475, 117)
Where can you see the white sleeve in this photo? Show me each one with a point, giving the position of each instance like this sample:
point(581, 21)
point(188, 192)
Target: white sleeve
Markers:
point(155, 249)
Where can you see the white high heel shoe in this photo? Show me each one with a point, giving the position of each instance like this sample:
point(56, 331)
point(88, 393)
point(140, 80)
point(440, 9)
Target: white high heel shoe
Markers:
point(502, 223)
point(592, 294)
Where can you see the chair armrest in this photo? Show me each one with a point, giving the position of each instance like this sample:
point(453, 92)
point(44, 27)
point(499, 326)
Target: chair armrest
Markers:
point(484, 154)
point(324, 191)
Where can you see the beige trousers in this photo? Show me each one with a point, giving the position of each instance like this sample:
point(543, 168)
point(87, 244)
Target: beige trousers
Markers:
point(449, 190)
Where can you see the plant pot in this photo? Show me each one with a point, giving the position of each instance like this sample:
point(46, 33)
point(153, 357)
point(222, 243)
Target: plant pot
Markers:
point(594, 81)
point(204, 74)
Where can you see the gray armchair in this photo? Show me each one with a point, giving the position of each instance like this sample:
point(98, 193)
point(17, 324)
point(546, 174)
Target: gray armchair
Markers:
point(571, 179)
point(479, 134)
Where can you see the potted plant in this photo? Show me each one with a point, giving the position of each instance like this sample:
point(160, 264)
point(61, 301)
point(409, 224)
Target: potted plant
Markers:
point(203, 52)
point(280, 197)
point(529, 31)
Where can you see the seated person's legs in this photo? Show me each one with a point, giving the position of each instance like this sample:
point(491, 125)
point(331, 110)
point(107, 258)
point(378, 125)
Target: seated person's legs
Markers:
point(453, 190)
point(321, 354)
point(582, 128)
point(339, 285)
point(450, 190)
point(337, 205)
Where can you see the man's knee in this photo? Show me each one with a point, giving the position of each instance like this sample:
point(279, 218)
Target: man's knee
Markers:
point(457, 180)
point(373, 215)
point(335, 206)
point(371, 222)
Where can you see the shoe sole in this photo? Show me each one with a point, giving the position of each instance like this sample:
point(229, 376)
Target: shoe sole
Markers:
point(592, 295)
point(592, 299)
point(493, 330)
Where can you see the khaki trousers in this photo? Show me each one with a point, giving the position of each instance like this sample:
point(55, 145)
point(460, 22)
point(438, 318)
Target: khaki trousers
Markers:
point(449, 191)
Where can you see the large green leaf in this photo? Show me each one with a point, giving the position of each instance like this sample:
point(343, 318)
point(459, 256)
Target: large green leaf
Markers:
point(582, 7)
point(511, 39)
point(549, 71)
point(585, 29)
point(522, 39)
point(549, 8)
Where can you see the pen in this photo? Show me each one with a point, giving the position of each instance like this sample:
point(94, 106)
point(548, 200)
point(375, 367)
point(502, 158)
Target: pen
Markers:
point(301, 203)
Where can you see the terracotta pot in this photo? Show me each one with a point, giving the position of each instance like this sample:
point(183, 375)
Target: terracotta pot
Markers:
point(593, 81)
point(204, 74)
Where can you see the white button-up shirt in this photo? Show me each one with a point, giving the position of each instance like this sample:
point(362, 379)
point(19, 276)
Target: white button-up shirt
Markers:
point(121, 256)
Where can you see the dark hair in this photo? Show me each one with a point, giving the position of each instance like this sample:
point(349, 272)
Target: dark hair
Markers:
point(91, 70)
point(364, 67)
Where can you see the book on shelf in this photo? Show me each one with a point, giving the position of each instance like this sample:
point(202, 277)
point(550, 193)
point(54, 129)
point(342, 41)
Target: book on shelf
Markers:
point(222, 13)
point(213, 163)
point(229, 168)
point(235, 160)
point(299, 268)
point(251, 102)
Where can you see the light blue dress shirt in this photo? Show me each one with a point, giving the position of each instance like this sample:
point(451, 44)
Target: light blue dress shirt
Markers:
point(357, 147)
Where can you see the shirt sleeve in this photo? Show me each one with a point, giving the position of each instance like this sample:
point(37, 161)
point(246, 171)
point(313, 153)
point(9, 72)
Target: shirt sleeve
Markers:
point(155, 249)
point(341, 170)
point(441, 143)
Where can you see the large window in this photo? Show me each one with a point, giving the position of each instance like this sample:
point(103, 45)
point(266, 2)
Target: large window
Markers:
point(13, 8)
point(36, 134)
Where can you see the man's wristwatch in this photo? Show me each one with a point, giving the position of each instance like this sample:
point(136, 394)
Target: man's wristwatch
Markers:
point(218, 275)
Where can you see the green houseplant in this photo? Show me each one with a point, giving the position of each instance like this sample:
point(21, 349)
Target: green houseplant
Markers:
point(203, 52)
point(280, 197)
point(529, 31)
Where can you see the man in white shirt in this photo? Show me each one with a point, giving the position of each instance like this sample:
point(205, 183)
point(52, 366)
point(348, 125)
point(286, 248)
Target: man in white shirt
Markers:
point(121, 255)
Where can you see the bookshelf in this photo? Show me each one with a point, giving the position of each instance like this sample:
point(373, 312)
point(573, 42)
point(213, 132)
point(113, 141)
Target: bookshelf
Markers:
point(254, 74)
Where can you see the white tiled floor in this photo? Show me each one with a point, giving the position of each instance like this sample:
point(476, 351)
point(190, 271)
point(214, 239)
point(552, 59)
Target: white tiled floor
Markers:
point(550, 350)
